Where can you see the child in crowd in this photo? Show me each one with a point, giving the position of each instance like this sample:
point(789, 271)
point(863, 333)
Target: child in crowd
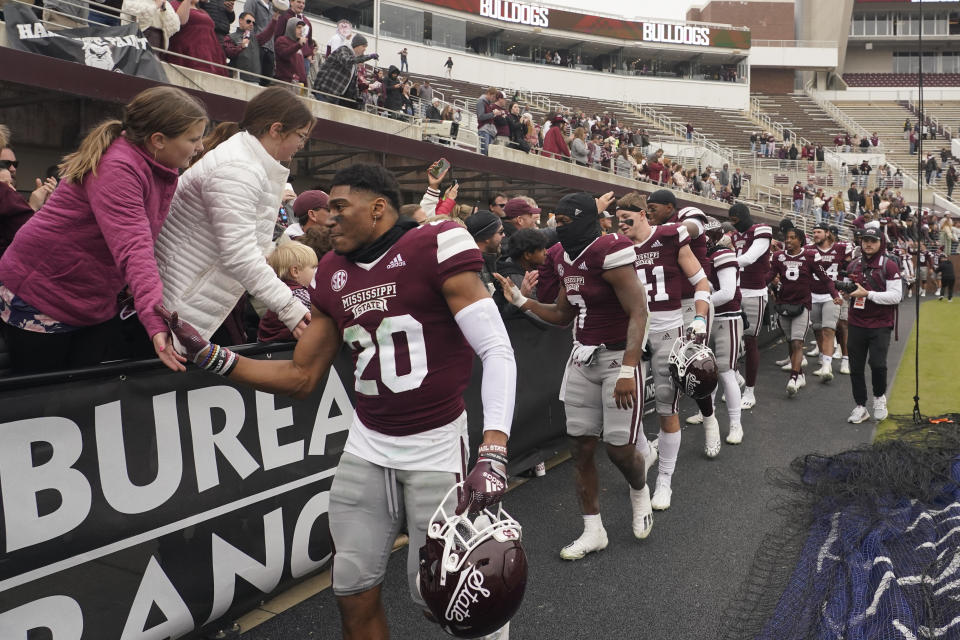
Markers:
point(288, 50)
point(295, 264)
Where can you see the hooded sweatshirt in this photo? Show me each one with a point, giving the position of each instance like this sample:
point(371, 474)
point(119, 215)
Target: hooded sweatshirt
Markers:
point(393, 99)
point(289, 56)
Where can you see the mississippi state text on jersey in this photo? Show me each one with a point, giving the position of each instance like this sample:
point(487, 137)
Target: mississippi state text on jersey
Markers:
point(796, 276)
point(753, 276)
point(412, 364)
point(658, 266)
point(725, 259)
point(601, 318)
point(834, 260)
point(698, 245)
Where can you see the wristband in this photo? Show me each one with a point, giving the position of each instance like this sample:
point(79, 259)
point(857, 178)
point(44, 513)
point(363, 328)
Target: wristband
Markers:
point(491, 448)
point(703, 296)
point(493, 457)
point(627, 372)
point(518, 298)
point(698, 317)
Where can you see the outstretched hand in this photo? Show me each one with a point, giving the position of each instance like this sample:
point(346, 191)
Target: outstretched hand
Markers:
point(604, 201)
point(163, 345)
point(193, 343)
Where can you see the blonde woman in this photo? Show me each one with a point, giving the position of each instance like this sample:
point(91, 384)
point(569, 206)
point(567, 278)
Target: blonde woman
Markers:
point(157, 19)
point(946, 234)
point(62, 274)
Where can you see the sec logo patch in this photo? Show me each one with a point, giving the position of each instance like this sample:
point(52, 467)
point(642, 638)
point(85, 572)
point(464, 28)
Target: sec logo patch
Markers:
point(338, 280)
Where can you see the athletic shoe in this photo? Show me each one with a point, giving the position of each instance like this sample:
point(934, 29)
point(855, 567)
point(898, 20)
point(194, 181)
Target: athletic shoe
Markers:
point(923, 293)
point(818, 372)
point(859, 414)
point(650, 460)
point(661, 498)
point(785, 361)
point(880, 408)
point(741, 381)
point(736, 433)
point(588, 541)
point(826, 375)
point(696, 418)
point(747, 400)
point(910, 293)
point(792, 387)
point(642, 512)
point(801, 381)
point(845, 367)
point(937, 293)
point(813, 353)
point(711, 433)
point(789, 367)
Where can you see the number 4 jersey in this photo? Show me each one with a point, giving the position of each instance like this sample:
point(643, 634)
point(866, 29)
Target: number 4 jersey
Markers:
point(412, 362)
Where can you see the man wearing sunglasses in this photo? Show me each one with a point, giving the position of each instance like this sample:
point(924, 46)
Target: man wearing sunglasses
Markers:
point(497, 203)
point(243, 47)
point(8, 161)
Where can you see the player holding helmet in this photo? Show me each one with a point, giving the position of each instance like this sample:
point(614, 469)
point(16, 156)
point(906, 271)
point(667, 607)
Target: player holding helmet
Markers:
point(663, 260)
point(390, 283)
point(602, 386)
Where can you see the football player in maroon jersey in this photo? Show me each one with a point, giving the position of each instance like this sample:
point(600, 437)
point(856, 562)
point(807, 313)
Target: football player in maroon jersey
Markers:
point(824, 314)
point(663, 261)
point(602, 387)
point(793, 271)
point(408, 302)
point(752, 243)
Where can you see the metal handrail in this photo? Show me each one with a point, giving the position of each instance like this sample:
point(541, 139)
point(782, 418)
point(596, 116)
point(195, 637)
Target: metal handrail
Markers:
point(933, 119)
point(793, 43)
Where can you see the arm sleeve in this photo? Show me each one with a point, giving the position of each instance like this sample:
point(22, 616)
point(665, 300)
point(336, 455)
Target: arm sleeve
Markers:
point(759, 247)
point(445, 207)
point(266, 35)
point(894, 292)
point(231, 48)
point(429, 201)
point(483, 328)
point(230, 200)
point(728, 287)
point(116, 196)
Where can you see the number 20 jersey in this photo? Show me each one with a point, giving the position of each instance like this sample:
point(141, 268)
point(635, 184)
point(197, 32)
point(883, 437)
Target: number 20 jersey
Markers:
point(412, 362)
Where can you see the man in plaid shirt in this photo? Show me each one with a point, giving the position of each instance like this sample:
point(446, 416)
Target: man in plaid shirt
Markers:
point(338, 73)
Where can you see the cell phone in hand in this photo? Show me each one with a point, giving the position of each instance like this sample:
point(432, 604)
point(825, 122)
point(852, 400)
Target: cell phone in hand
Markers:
point(438, 167)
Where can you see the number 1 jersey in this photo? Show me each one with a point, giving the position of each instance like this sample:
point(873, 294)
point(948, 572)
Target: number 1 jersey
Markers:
point(412, 362)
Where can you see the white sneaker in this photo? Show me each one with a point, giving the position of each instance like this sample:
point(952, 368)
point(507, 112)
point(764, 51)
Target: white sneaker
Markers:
point(937, 293)
point(826, 375)
point(923, 293)
point(696, 418)
point(661, 498)
point(860, 414)
point(711, 436)
point(801, 381)
point(910, 293)
point(650, 460)
point(880, 408)
point(813, 353)
point(748, 401)
point(789, 367)
point(588, 541)
point(741, 381)
point(736, 433)
point(785, 361)
point(642, 512)
point(845, 367)
point(792, 387)
point(818, 372)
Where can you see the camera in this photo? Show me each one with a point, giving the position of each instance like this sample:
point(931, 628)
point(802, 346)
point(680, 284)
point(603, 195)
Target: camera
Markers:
point(850, 285)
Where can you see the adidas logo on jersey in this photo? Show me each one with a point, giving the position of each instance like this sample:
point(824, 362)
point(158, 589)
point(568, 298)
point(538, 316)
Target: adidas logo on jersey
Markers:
point(583, 266)
point(396, 262)
point(656, 244)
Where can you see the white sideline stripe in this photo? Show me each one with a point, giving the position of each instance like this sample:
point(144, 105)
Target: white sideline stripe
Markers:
point(120, 545)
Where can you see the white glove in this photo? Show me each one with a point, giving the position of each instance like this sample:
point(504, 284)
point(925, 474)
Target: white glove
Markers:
point(698, 329)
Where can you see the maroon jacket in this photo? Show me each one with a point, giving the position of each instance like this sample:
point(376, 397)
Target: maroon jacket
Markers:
point(289, 62)
point(281, 29)
point(878, 277)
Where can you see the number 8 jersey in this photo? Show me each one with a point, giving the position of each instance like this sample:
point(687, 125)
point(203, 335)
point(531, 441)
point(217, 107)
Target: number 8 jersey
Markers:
point(658, 266)
point(412, 362)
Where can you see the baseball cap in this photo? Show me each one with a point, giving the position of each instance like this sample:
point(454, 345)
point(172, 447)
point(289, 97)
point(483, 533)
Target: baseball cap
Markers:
point(823, 226)
point(870, 233)
point(662, 196)
point(575, 204)
point(517, 207)
point(309, 200)
point(482, 225)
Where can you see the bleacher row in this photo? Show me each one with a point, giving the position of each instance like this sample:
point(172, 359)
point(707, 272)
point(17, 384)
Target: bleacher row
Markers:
point(901, 79)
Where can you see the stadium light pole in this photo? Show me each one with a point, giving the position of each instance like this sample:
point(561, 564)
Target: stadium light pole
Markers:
point(376, 25)
point(917, 417)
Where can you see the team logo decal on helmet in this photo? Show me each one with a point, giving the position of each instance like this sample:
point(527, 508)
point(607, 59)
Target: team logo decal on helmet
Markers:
point(473, 573)
point(693, 367)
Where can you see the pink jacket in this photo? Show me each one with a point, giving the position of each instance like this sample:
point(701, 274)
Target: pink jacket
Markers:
point(90, 240)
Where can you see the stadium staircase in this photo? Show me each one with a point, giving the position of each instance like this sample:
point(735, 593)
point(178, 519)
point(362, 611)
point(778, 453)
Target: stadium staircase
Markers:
point(798, 113)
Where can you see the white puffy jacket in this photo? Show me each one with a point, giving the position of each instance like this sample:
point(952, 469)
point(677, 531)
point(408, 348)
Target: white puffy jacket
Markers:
point(215, 240)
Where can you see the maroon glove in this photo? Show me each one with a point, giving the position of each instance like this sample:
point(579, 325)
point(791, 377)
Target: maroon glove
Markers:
point(487, 481)
point(193, 343)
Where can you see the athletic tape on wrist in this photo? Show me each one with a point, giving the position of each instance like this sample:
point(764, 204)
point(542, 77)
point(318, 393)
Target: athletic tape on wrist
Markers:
point(627, 372)
point(703, 296)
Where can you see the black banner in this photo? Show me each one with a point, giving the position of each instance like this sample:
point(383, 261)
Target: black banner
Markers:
point(134, 500)
point(122, 49)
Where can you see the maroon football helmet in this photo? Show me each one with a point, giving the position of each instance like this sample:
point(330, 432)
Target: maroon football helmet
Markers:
point(472, 572)
point(693, 367)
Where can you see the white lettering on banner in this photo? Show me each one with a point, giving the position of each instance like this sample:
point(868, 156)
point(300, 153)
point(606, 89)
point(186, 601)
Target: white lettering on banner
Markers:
point(300, 561)
point(676, 34)
point(269, 421)
point(21, 481)
point(60, 614)
point(200, 403)
point(120, 493)
point(230, 562)
point(514, 11)
point(156, 588)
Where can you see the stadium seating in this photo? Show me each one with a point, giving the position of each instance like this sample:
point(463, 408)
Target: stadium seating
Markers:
point(727, 127)
point(800, 114)
point(901, 79)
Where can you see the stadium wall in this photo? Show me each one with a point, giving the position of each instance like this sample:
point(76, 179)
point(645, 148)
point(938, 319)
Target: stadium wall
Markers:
point(767, 19)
